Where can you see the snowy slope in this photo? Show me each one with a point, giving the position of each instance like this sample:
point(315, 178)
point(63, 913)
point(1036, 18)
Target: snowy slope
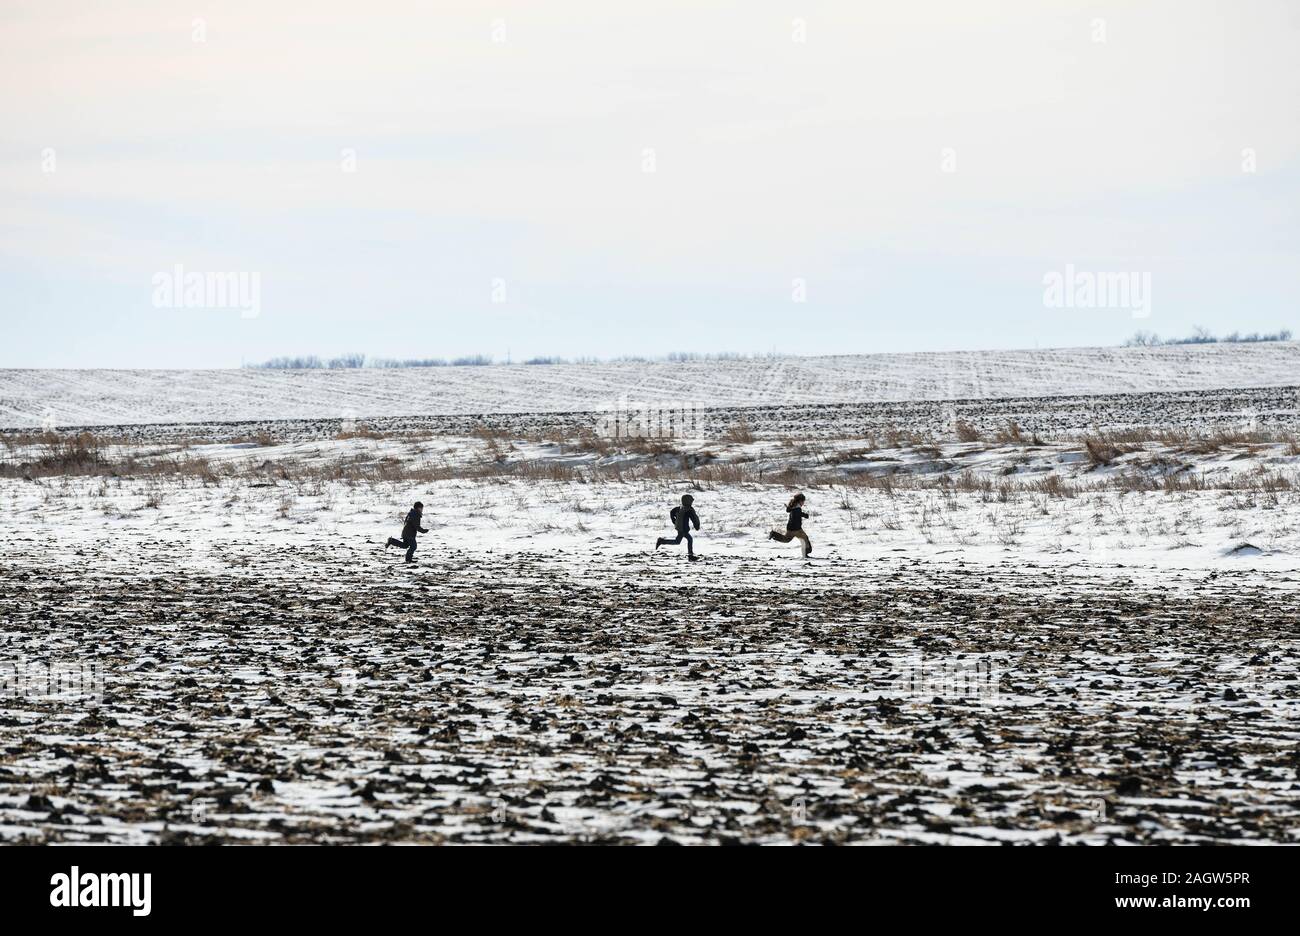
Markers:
point(103, 397)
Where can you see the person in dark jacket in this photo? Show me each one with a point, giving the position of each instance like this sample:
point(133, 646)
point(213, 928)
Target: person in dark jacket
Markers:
point(795, 517)
point(683, 517)
point(409, 528)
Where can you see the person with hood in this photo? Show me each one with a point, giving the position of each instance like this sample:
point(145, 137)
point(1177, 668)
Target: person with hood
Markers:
point(683, 517)
point(795, 517)
point(409, 528)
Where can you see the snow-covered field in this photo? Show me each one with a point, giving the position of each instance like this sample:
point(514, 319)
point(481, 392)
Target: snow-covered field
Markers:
point(243, 663)
point(1229, 503)
point(32, 398)
point(1085, 637)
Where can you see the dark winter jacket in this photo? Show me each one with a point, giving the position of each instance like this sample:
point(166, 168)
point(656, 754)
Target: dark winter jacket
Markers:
point(412, 524)
point(796, 518)
point(684, 518)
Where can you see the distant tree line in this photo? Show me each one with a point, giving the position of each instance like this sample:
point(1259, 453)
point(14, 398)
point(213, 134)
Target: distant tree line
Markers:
point(352, 361)
point(312, 362)
point(1146, 339)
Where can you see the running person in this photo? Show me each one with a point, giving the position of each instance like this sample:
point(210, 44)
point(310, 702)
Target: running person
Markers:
point(409, 528)
point(795, 517)
point(683, 517)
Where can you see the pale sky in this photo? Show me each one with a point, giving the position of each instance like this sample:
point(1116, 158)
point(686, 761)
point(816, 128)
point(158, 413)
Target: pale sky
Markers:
point(912, 171)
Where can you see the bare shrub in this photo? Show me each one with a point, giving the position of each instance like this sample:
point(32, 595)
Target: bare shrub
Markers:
point(651, 445)
point(722, 474)
point(1010, 434)
point(1053, 486)
point(1179, 482)
point(360, 432)
point(589, 441)
point(497, 442)
point(58, 454)
point(901, 438)
point(739, 432)
point(1101, 451)
point(1134, 481)
point(537, 470)
point(1221, 439)
point(1009, 533)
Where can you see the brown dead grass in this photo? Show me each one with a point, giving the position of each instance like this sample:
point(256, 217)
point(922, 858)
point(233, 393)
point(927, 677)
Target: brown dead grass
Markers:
point(739, 432)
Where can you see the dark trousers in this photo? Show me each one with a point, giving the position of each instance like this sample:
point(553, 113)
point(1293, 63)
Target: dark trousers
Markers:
point(407, 544)
point(690, 543)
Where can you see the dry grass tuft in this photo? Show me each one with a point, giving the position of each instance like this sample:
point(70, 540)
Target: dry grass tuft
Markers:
point(739, 432)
